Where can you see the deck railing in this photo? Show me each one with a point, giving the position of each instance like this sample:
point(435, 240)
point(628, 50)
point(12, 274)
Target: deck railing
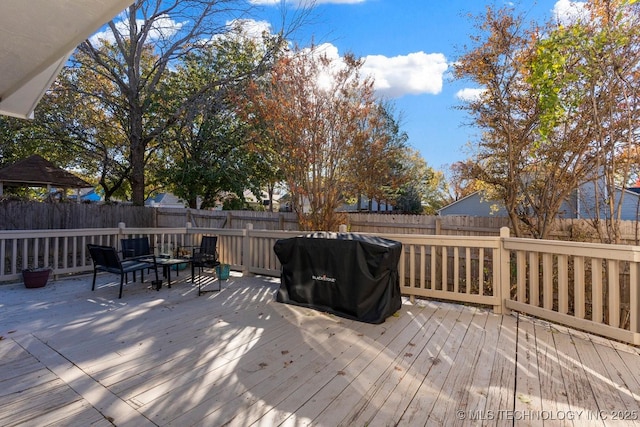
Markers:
point(593, 287)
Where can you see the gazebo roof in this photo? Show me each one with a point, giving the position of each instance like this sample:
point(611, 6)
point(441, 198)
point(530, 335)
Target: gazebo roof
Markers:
point(35, 171)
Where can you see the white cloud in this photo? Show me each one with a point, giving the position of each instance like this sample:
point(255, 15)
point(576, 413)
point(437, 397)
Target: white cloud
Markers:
point(470, 94)
point(415, 73)
point(566, 11)
point(163, 27)
point(248, 29)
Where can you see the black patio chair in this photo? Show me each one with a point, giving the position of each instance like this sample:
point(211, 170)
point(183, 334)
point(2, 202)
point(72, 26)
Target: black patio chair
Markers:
point(136, 247)
point(205, 256)
point(105, 258)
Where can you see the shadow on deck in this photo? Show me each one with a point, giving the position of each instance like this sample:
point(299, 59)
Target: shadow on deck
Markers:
point(170, 357)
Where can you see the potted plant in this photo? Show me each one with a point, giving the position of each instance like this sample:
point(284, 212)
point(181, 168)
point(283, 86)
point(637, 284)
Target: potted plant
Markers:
point(35, 277)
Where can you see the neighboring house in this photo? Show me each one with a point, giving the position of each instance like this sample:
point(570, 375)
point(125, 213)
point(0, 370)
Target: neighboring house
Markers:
point(582, 204)
point(475, 204)
point(364, 206)
point(587, 206)
point(286, 205)
point(87, 195)
point(252, 200)
point(165, 200)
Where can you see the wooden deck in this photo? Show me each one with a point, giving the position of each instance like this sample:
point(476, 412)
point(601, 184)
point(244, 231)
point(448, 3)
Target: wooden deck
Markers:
point(69, 356)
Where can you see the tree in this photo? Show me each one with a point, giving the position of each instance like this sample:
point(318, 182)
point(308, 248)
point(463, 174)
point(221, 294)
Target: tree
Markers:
point(424, 189)
point(76, 125)
point(208, 156)
point(506, 117)
point(12, 146)
point(585, 73)
point(461, 181)
point(532, 157)
point(380, 172)
point(315, 112)
point(170, 29)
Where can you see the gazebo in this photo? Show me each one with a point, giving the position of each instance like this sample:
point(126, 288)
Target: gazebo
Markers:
point(35, 171)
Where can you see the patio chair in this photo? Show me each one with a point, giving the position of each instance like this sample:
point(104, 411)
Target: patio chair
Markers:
point(136, 247)
point(205, 256)
point(105, 258)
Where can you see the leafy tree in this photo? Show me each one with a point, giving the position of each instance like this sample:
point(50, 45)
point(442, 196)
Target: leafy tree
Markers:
point(585, 73)
point(461, 181)
point(424, 189)
point(379, 174)
point(77, 126)
point(537, 141)
point(170, 30)
point(12, 146)
point(208, 155)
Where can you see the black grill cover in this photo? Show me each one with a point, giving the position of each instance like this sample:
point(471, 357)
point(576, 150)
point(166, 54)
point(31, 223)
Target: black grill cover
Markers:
point(350, 275)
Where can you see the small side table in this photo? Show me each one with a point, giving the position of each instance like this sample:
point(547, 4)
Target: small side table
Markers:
point(167, 263)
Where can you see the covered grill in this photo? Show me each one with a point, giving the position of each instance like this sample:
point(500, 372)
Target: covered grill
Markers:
point(350, 275)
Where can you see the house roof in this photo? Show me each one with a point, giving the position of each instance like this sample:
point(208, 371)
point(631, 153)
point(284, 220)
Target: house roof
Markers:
point(38, 36)
point(35, 171)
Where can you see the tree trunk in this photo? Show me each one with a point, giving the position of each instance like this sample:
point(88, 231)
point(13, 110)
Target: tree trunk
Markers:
point(138, 147)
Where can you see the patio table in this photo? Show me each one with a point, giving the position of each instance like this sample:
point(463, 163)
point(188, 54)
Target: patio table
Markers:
point(166, 264)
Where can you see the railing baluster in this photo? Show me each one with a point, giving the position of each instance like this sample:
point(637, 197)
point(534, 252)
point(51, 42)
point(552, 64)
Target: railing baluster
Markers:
point(596, 289)
point(563, 284)
point(613, 287)
point(547, 281)
point(578, 287)
point(534, 279)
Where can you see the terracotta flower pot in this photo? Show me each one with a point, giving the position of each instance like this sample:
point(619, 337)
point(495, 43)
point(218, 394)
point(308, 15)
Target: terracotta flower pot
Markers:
point(35, 278)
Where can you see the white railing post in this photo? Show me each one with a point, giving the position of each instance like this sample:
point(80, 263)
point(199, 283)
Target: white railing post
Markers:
point(121, 234)
point(188, 228)
point(503, 287)
point(247, 256)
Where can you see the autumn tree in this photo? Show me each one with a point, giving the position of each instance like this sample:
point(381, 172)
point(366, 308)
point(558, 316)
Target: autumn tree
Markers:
point(461, 182)
point(607, 39)
point(315, 112)
point(506, 118)
point(424, 189)
point(532, 157)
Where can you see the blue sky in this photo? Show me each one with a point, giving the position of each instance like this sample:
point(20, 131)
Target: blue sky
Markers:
point(409, 45)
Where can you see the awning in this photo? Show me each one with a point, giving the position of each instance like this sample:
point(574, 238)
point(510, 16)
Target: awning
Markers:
point(38, 36)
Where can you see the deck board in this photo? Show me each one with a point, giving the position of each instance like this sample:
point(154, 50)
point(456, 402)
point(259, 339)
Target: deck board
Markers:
point(502, 385)
point(69, 356)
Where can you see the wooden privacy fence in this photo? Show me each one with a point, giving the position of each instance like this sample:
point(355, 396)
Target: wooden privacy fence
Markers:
point(22, 215)
point(593, 287)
